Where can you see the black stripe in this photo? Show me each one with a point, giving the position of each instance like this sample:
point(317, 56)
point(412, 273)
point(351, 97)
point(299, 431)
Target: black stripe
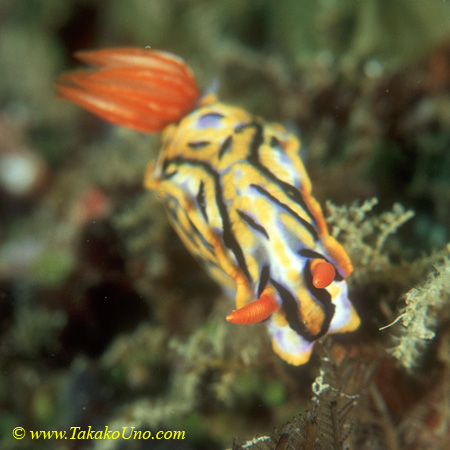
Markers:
point(225, 146)
point(263, 278)
point(168, 176)
point(257, 141)
point(214, 114)
point(165, 164)
point(307, 253)
point(173, 211)
point(305, 223)
point(201, 201)
point(256, 226)
point(240, 127)
point(291, 191)
point(228, 237)
point(322, 296)
point(197, 145)
point(205, 243)
point(291, 309)
point(275, 143)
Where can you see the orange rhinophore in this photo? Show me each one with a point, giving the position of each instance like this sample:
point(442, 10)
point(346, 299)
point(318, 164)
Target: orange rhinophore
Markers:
point(142, 89)
point(322, 272)
point(256, 311)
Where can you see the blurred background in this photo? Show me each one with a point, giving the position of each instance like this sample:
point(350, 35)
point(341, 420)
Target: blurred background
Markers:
point(105, 319)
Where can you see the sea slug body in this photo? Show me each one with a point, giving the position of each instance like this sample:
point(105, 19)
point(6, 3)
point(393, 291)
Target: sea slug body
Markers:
point(236, 192)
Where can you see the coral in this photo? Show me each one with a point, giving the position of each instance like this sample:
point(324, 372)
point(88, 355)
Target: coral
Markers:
point(331, 420)
point(210, 352)
point(140, 223)
point(427, 424)
point(35, 329)
point(364, 236)
point(419, 317)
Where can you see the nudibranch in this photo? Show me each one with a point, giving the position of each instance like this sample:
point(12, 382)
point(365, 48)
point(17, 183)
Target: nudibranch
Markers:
point(236, 192)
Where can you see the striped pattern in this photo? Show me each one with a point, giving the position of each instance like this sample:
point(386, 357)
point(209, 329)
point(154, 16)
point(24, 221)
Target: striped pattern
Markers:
point(240, 199)
point(236, 192)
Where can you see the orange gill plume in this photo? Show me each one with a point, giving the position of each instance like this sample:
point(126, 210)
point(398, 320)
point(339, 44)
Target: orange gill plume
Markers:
point(256, 311)
point(141, 89)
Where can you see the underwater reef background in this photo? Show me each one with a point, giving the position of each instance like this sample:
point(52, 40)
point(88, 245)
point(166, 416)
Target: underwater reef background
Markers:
point(105, 318)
